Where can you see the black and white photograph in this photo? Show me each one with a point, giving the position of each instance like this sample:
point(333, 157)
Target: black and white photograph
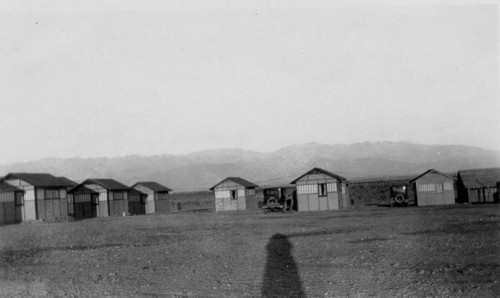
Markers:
point(217, 148)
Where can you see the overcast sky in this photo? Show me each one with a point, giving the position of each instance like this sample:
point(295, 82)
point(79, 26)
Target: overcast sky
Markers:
point(116, 78)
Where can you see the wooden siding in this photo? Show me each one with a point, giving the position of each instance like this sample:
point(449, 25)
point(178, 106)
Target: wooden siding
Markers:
point(223, 200)
point(150, 199)
point(163, 203)
point(102, 207)
point(37, 206)
point(309, 198)
point(225, 204)
point(118, 203)
point(51, 203)
point(136, 203)
point(482, 195)
point(29, 198)
point(83, 205)
point(11, 208)
point(251, 200)
point(434, 189)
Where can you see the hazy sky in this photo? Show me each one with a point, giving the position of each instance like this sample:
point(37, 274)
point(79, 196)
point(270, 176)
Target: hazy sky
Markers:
point(111, 78)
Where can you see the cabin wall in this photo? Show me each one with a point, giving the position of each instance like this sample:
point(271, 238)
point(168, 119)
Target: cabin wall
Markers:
point(51, 203)
point(482, 195)
point(224, 200)
point(29, 198)
point(11, 208)
point(83, 205)
point(434, 189)
point(150, 207)
point(251, 200)
point(118, 203)
point(309, 198)
point(102, 207)
point(136, 203)
point(162, 202)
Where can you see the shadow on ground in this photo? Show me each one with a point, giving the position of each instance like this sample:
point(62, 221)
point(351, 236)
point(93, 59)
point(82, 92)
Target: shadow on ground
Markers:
point(281, 276)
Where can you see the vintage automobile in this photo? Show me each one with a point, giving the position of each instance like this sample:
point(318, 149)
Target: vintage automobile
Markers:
point(399, 195)
point(278, 199)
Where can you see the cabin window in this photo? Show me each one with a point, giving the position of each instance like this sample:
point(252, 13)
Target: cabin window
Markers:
point(234, 194)
point(118, 196)
point(52, 194)
point(251, 192)
point(426, 187)
point(331, 187)
point(19, 201)
point(307, 189)
point(162, 196)
point(322, 190)
point(448, 186)
point(95, 200)
point(439, 188)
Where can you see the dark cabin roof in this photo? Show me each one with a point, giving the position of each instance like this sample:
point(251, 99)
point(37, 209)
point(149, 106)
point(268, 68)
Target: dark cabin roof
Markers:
point(241, 181)
point(156, 187)
point(319, 170)
point(81, 188)
point(6, 187)
point(40, 179)
point(109, 184)
point(431, 171)
point(134, 191)
point(68, 182)
point(479, 178)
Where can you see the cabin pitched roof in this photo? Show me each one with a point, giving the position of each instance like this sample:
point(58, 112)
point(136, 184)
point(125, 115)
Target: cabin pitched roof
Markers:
point(432, 171)
point(81, 188)
point(241, 181)
point(319, 170)
point(6, 187)
point(137, 192)
point(68, 182)
point(156, 187)
point(40, 179)
point(479, 178)
point(109, 184)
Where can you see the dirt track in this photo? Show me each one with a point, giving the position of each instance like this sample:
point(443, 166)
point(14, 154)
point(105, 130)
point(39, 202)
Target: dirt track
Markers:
point(441, 251)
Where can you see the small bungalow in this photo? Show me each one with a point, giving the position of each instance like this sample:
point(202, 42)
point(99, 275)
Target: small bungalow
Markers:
point(113, 196)
point(136, 202)
point(11, 204)
point(234, 193)
point(477, 185)
point(82, 202)
point(433, 188)
point(44, 195)
point(157, 200)
point(321, 190)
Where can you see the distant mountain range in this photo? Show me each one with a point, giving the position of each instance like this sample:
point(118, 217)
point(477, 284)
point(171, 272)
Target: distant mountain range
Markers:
point(203, 169)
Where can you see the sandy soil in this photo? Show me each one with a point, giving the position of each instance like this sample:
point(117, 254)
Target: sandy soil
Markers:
point(427, 251)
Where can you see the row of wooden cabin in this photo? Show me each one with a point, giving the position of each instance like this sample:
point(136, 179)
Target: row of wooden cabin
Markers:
point(35, 196)
point(30, 196)
point(319, 189)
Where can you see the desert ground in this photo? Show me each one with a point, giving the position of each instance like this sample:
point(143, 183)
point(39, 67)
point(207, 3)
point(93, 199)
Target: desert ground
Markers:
point(374, 251)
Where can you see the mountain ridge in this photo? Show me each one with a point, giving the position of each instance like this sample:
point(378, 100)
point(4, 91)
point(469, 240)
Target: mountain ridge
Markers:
point(201, 169)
